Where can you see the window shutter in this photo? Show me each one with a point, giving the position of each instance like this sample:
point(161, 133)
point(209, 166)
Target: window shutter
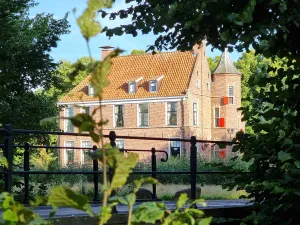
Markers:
point(225, 100)
point(222, 122)
point(222, 154)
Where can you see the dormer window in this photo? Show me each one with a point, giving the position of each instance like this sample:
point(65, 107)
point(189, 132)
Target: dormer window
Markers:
point(131, 87)
point(91, 90)
point(153, 86)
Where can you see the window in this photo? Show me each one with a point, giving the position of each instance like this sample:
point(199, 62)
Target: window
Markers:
point(153, 86)
point(69, 112)
point(69, 152)
point(175, 148)
point(119, 115)
point(208, 86)
point(143, 115)
point(86, 109)
point(91, 90)
point(131, 88)
point(231, 94)
point(217, 117)
point(120, 144)
point(197, 83)
point(85, 152)
point(195, 113)
point(172, 113)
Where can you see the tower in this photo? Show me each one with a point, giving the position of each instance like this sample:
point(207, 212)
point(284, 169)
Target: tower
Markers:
point(225, 101)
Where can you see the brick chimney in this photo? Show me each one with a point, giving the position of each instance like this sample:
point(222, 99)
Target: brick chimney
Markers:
point(106, 50)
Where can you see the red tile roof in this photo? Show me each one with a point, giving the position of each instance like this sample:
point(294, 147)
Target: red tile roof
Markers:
point(175, 66)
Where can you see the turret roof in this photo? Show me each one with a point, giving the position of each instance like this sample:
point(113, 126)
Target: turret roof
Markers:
point(225, 65)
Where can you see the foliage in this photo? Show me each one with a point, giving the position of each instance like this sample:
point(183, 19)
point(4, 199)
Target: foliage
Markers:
point(213, 62)
point(272, 28)
point(137, 52)
point(25, 63)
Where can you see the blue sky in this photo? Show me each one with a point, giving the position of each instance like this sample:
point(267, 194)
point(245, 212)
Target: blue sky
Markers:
point(72, 46)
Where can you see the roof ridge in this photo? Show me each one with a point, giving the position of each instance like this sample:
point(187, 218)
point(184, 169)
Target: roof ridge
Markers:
point(160, 53)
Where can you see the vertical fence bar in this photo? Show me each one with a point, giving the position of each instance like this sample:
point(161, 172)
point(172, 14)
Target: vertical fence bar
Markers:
point(8, 151)
point(193, 164)
point(112, 138)
point(26, 175)
point(96, 177)
point(153, 162)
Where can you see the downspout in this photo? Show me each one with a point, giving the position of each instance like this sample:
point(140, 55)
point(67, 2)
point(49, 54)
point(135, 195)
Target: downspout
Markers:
point(182, 121)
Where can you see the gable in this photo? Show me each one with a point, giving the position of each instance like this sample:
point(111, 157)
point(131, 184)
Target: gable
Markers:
point(176, 68)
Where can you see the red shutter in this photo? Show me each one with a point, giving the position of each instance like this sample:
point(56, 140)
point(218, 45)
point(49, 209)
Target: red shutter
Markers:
point(225, 100)
point(222, 154)
point(222, 122)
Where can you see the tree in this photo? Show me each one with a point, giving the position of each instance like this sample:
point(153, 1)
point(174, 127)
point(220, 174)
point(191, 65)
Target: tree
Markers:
point(63, 72)
point(271, 28)
point(25, 63)
point(213, 62)
point(137, 52)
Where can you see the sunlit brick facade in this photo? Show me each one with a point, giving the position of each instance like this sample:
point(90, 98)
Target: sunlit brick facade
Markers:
point(171, 95)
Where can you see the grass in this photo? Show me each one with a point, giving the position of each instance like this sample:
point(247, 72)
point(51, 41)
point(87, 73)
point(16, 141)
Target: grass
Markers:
point(209, 192)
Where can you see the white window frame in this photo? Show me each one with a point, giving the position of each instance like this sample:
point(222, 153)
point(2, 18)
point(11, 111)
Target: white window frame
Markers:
point(120, 140)
point(208, 86)
point(231, 96)
point(82, 109)
point(166, 113)
point(138, 115)
point(197, 114)
point(217, 107)
point(66, 121)
point(91, 90)
point(198, 83)
point(151, 82)
point(114, 116)
point(180, 146)
point(134, 87)
point(65, 151)
point(82, 150)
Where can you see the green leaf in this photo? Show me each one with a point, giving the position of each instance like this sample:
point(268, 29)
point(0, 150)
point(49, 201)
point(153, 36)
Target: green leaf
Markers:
point(122, 167)
point(182, 200)
point(284, 156)
point(10, 215)
point(62, 196)
point(297, 164)
point(140, 182)
point(148, 212)
point(225, 36)
point(3, 161)
point(130, 198)
point(106, 212)
point(205, 221)
point(199, 201)
point(39, 221)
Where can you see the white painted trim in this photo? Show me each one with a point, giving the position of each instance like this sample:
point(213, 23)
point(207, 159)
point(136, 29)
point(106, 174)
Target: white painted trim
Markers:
point(137, 80)
point(149, 84)
point(120, 140)
point(166, 114)
point(197, 111)
point(215, 115)
point(114, 118)
point(81, 151)
point(66, 120)
point(231, 85)
point(65, 151)
point(124, 101)
point(138, 115)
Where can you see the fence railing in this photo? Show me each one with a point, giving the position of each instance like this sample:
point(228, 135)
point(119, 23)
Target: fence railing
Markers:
point(8, 149)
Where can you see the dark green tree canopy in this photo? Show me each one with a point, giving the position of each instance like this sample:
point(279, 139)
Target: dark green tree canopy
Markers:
point(270, 26)
point(25, 62)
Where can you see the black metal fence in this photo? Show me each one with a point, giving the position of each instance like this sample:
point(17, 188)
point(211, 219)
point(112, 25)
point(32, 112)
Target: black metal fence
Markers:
point(8, 147)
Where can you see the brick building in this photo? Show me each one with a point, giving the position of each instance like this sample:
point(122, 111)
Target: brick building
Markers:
point(170, 94)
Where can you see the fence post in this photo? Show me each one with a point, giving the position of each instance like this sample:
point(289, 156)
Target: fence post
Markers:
point(112, 138)
point(96, 177)
point(193, 164)
point(153, 162)
point(8, 152)
point(26, 175)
